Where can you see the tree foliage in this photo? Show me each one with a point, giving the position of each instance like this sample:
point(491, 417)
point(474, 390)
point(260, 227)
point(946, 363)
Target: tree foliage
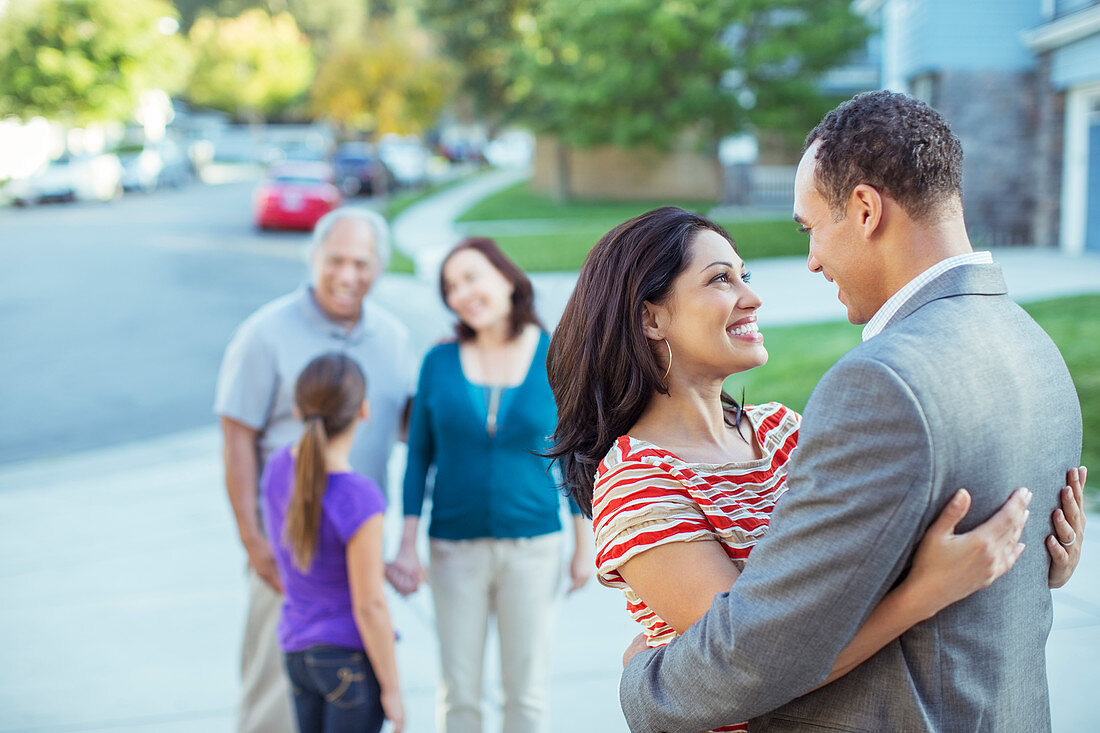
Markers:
point(481, 36)
point(392, 80)
point(85, 60)
point(326, 22)
point(642, 72)
point(253, 64)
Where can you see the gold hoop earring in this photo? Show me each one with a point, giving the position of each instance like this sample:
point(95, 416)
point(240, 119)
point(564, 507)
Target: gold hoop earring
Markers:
point(669, 367)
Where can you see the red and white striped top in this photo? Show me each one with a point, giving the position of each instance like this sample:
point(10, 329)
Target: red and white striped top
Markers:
point(645, 496)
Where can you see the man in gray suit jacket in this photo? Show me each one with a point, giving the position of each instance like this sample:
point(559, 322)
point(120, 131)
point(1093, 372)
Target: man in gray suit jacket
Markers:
point(954, 386)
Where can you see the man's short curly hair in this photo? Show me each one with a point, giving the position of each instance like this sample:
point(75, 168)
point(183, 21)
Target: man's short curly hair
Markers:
point(893, 142)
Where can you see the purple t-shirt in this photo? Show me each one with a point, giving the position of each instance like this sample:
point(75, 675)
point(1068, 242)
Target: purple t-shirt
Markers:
point(317, 604)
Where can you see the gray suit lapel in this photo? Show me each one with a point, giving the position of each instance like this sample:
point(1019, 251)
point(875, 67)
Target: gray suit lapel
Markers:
point(962, 280)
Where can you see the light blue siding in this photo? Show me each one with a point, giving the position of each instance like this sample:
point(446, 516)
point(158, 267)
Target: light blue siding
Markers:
point(1076, 63)
point(967, 35)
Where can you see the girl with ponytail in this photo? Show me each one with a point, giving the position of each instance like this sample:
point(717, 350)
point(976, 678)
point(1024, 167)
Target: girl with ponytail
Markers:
point(325, 522)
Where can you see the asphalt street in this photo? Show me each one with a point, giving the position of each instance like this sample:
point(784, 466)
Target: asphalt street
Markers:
point(114, 316)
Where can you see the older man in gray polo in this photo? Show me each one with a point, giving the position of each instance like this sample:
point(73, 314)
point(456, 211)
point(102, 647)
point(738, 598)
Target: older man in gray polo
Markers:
point(255, 397)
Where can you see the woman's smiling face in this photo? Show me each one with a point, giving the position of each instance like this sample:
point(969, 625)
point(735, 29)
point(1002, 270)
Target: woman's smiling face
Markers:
point(709, 318)
point(478, 293)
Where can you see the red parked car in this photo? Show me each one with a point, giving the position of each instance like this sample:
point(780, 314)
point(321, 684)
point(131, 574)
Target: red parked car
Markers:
point(295, 196)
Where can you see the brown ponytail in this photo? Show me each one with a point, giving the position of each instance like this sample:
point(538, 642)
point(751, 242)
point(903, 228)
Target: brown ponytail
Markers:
point(328, 393)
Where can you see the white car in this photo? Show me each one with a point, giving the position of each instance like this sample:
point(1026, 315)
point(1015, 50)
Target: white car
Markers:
point(141, 171)
point(406, 158)
point(157, 165)
point(512, 149)
point(69, 178)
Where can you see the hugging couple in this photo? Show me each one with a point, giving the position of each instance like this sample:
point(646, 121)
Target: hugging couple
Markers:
point(889, 587)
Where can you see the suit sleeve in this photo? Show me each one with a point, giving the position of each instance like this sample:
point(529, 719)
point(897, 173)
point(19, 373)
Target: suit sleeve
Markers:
point(859, 492)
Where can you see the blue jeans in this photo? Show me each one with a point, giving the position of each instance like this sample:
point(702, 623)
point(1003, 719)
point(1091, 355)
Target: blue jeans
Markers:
point(335, 691)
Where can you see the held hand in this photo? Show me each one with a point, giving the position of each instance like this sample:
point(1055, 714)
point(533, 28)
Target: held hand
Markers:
point(1064, 545)
point(394, 709)
point(637, 646)
point(948, 567)
point(400, 580)
point(262, 560)
point(580, 570)
point(405, 573)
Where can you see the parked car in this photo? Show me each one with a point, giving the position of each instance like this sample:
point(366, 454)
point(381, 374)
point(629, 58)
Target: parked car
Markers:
point(157, 165)
point(295, 196)
point(176, 167)
point(512, 149)
point(291, 152)
point(407, 158)
point(359, 170)
point(70, 178)
point(141, 170)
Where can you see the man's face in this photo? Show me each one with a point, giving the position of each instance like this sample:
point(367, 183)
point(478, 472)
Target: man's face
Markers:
point(344, 268)
point(837, 248)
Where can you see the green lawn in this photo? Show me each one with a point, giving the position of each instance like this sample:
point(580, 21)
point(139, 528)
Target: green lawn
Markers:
point(800, 355)
point(519, 202)
point(1074, 324)
point(400, 263)
point(563, 232)
point(403, 200)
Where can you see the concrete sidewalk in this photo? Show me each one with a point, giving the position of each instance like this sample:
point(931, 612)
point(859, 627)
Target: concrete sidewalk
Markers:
point(124, 599)
point(426, 230)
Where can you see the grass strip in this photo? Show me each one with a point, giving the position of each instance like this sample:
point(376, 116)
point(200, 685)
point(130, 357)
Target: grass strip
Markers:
point(403, 200)
point(575, 226)
point(566, 250)
point(519, 202)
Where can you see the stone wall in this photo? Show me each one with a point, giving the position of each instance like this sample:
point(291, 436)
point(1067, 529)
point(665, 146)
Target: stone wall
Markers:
point(608, 172)
point(996, 116)
point(1048, 158)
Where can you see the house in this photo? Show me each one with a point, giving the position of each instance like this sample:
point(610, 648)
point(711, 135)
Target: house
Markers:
point(1067, 47)
point(1019, 81)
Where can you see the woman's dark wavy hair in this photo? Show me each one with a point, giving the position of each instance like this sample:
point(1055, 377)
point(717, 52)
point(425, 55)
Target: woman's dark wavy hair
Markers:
point(523, 295)
point(602, 369)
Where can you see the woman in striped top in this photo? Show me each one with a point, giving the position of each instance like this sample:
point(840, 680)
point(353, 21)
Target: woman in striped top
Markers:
point(681, 479)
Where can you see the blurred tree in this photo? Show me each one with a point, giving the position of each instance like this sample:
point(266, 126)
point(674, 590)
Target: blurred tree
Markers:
point(252, 65)
point(83, 60)
point(391, 80)
point(190, 10)
point(326, 22)
point(481, 35)
point(643, 72)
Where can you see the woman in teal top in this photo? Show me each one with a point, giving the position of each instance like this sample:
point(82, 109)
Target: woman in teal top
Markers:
point(482, 416)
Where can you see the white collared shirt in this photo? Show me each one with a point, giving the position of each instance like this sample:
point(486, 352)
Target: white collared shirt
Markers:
point(897, 300)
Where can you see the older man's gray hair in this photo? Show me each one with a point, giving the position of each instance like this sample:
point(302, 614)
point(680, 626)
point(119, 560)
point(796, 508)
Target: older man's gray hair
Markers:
point(375, 220)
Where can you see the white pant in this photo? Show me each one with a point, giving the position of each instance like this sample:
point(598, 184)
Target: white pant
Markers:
point(265, 705)
point(519, 581)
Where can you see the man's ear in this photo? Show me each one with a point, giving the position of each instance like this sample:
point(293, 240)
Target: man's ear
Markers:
point(296, 413)
point(364, 410)
point(654, 319)
point(865, 205)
